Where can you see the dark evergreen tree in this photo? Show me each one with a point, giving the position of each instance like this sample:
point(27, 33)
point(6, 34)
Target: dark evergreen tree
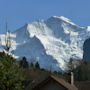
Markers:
point(24, 63)
point(10, 74)
point(37, 65)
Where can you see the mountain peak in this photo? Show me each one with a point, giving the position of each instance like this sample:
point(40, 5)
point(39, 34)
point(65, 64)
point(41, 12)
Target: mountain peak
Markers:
point(63, 19)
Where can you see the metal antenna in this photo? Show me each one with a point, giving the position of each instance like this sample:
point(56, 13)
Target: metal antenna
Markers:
point(6, 27)
point(7, 38)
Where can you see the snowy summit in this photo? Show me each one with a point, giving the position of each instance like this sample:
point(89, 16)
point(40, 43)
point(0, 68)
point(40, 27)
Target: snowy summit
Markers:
point(51, 42)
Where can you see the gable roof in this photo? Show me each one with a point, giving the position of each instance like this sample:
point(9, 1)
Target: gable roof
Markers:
point(58, 80)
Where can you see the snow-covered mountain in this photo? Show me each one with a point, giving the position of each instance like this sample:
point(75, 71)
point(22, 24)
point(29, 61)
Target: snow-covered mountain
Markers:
point(51, 42)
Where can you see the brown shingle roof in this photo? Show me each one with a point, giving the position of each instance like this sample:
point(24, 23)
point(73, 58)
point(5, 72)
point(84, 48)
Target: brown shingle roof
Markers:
point(64, 83)
point(58, 80)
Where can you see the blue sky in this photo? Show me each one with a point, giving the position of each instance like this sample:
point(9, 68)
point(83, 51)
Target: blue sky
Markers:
point(19, 12)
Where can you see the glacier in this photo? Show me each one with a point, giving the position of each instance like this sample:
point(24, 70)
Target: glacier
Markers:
point(51, 42)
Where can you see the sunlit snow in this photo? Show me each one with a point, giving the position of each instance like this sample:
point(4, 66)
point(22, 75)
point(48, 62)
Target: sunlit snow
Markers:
point(51, 42)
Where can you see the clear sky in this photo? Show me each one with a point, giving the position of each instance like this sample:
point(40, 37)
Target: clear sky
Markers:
point(19, 12)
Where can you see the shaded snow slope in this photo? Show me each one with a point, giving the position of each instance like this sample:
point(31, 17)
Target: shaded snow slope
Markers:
point(51, 42)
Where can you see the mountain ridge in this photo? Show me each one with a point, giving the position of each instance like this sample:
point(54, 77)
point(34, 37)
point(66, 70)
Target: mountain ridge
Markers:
point(58, 39)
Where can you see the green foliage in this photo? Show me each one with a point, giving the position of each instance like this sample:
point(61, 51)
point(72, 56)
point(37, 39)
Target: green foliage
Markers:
point(24, 63)
point(87, 61)
point(10, 73)
point(83, 71)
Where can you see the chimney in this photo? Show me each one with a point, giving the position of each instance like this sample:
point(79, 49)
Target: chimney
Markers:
point(72, 78)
